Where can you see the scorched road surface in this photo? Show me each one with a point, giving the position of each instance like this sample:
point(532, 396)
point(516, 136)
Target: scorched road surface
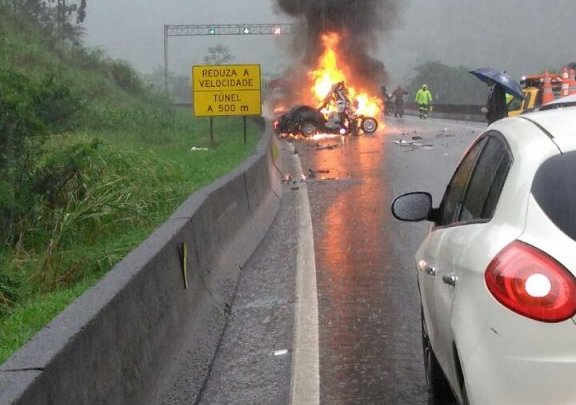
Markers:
point(368, 308)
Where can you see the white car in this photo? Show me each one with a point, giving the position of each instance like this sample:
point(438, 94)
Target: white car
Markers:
point(567, 101)
point(497, 271)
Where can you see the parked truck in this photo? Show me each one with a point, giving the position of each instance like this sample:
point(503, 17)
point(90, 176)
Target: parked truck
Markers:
point(532, 87)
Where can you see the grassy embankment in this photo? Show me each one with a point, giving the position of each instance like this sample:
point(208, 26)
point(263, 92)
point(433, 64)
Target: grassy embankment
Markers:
point(97, 182)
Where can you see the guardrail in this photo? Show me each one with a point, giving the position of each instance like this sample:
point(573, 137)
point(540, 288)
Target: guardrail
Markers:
point(167, 299)
point(464, 112)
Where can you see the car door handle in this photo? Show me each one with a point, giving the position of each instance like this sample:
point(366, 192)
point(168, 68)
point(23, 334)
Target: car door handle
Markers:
point(449, 279)
point(426, 268)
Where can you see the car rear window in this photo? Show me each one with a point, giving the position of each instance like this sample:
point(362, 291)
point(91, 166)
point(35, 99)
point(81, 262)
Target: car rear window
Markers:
point(554, 188)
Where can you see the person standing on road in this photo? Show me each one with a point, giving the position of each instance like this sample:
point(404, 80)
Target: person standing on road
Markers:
point(398, 95)
point(496, 106)
point(386, 99)
point(423, 99)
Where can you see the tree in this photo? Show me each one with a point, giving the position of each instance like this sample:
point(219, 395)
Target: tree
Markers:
point(178, 85)
point(156, 78)
point(61, 18)
point(218, 55)
point(69, 14)
point(449, 84)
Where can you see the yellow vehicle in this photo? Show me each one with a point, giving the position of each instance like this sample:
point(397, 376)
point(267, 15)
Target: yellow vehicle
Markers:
point(532, 89)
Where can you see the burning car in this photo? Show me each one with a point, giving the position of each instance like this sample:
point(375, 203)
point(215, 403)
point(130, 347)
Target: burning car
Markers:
point(336, 115)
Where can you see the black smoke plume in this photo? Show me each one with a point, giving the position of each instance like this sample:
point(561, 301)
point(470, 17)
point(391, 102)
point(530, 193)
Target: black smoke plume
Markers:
point(359, 22)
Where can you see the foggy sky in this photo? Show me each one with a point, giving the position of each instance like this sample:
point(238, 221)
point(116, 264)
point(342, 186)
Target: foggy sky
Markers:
point(521, 36)
point(134, 31)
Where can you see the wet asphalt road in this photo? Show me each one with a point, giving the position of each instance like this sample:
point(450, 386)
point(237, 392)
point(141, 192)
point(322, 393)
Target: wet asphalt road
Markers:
point(369, 319)
point(369, 313)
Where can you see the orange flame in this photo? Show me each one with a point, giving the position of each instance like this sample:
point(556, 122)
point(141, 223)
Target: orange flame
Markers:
point(328, 71)
point(331, 69)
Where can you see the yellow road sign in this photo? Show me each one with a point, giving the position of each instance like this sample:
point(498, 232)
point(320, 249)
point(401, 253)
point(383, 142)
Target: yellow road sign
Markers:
point(226, 90)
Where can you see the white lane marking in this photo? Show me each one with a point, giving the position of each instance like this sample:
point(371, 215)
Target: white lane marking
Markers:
point(305, 379)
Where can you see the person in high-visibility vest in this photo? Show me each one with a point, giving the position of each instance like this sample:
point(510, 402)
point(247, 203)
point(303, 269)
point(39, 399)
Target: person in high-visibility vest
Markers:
point(423, 99)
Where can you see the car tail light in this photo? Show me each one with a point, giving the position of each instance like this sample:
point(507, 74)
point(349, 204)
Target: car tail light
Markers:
point(531, 283)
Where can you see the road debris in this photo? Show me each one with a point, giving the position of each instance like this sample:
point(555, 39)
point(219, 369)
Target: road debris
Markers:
point(291, 180)
point(312, 173)
point(416, 143)
point(327, 147)
point(444, 135)
point(404, 142)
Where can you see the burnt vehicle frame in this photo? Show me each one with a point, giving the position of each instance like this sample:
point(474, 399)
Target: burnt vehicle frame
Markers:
point(306, 121)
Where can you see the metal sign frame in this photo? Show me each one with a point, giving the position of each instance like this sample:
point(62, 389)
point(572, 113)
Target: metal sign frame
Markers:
point(188, 30)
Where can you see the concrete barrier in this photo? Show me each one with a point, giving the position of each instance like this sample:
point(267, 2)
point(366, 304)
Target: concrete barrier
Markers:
point(139, 321)
point(462, 112)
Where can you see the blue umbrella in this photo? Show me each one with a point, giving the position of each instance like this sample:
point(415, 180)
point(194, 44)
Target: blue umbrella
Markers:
point(493, 76)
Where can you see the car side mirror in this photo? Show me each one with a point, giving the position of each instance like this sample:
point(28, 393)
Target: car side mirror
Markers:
point(413, 207)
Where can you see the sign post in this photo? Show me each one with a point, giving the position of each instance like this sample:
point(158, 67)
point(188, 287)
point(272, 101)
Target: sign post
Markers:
point(244, 120)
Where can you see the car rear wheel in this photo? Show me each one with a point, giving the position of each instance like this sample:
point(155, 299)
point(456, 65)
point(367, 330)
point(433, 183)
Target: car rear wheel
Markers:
point(308, 128)
point(369, 125)
point(439, 392)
